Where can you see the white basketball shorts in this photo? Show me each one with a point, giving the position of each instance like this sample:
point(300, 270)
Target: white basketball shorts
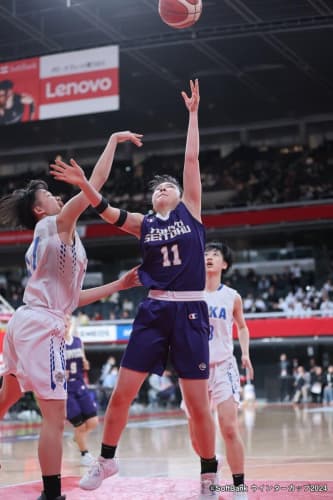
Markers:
point(223, 383)
point(34, 351)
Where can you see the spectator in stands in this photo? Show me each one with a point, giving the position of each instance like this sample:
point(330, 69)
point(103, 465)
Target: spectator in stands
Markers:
point(326, 305)
point(108, 384)
point(328, 389)
point(300, 385)
point(107, 367)
point(249, 303)
point(107, 379)
point(284, 376)
point(317, 381)
point(162, 389)
point(295, 275)
point(128, 306)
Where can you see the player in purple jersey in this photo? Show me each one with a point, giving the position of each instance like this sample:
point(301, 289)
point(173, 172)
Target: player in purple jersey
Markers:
point(81, 409)
point(174, 317)
point(34, 344)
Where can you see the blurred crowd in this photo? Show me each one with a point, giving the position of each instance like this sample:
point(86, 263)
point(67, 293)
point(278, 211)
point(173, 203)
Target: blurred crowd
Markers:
point(299, 384)
point(246, 177)
point(294, 292)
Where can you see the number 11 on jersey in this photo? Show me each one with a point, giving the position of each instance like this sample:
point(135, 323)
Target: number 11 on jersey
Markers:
point(174, 259)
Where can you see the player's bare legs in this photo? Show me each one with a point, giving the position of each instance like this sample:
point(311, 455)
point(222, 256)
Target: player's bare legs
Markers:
point(81, 432)
point(192, 436)
point(51, 435)
point(195, 394)
point(116, 416)
point(126, 389)
point(10, 393)
point(228, 420)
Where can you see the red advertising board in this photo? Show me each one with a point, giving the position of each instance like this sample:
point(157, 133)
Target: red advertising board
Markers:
point(66, 84)
point(289, 327)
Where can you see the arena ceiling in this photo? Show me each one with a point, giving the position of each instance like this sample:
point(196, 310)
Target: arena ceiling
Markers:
point(257, 60)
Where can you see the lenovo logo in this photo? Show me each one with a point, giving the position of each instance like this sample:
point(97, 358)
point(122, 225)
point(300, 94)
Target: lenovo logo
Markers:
point(82, 87)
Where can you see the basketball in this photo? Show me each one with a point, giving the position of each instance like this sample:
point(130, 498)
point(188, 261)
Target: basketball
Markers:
point(180, 14)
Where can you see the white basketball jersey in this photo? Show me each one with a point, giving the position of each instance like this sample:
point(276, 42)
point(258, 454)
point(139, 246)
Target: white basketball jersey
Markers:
point(221, 308)
point(55, 270)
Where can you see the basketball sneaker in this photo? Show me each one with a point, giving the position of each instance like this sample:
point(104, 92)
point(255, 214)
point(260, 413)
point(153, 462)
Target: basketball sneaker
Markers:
point(100, 470)
point(87, 459)
point(219, 469)
point(208, 483)
point(43, 497)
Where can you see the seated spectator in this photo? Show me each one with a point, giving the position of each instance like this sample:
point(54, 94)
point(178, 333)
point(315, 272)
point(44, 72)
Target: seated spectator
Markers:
point(162, 390)
point(107, 380)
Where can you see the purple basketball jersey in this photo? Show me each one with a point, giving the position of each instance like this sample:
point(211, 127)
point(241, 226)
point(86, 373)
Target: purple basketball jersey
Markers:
point(74, 364)
point(173, 252)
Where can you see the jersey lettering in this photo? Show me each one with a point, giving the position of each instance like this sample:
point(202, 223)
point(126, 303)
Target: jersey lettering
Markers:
point(217, 312)
point(165, 234)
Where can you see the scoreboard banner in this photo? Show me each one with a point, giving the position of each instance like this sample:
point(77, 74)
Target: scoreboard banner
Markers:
point(59, 85)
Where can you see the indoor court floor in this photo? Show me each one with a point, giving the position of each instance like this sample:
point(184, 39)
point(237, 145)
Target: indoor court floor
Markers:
point(289, 454)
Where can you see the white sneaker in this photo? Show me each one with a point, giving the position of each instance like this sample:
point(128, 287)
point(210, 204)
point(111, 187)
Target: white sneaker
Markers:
point(87, 459)
point(100, 470)
point(208, 483)
point(219, 469)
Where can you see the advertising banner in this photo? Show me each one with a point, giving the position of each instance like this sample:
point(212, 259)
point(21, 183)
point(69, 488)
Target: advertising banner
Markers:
point(66, 84)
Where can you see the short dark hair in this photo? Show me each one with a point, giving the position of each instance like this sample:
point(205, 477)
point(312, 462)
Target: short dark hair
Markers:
point(159, 179)
point(6, 84)
point(16, 208)
point(224, 249)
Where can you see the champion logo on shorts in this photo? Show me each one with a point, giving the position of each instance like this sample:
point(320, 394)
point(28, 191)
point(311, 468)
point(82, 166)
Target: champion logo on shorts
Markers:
point(202, 367)
point(193, 316)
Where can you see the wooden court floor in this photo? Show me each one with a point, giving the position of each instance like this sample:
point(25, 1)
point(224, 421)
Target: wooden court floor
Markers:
point(282, 442)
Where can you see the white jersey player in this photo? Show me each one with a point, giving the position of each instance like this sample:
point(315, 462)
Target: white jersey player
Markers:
point(225, 308)
point(34, 347)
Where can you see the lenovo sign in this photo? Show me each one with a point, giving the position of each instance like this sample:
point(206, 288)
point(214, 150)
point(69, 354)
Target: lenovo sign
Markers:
point(71, 83)
point(80, 88)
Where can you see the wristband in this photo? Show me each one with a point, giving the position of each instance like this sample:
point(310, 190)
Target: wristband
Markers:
point(103, 205)
point(122, 218)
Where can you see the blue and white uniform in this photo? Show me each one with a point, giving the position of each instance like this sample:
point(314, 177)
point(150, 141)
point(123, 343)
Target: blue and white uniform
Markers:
point(224, 375)
point(174, 317)
point(34, 346)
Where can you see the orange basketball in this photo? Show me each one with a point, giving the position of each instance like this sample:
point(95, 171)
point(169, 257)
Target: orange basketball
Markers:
point(180, 14)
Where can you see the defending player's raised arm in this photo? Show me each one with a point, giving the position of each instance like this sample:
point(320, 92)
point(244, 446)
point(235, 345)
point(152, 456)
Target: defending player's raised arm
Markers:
point(73, 174)
point(243, 335)
point(76, 205)
point(103, 166)
point(128, 280)
point(191, 173)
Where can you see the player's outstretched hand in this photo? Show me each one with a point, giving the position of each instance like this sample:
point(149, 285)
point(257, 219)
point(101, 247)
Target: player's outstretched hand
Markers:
point(192, 101)
point(71, 173)
point(127, 135)
point(131, 278)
